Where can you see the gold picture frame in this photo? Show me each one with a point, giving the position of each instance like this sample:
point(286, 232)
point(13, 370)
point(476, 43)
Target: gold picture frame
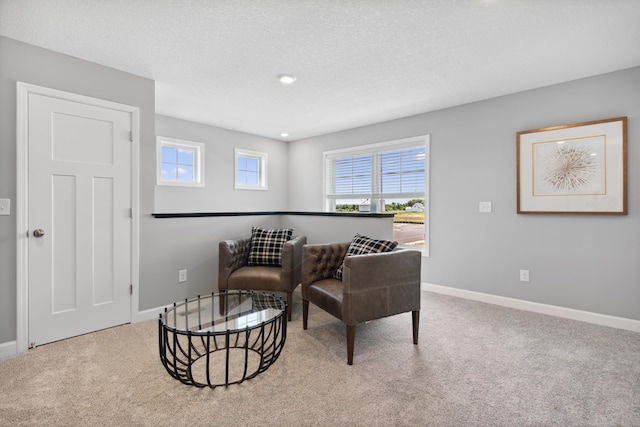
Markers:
point(573, 169)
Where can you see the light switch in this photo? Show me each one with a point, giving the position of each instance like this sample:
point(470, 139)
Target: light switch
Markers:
point(485, 207)
point(5, 206)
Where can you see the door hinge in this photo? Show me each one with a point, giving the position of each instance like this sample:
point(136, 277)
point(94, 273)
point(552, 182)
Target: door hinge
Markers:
point(131, 136)
point(131, 289)
point(131, 213)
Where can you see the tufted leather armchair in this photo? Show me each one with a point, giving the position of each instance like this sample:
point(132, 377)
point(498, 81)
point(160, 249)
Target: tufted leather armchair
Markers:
point(234, 273)
point(372, 286)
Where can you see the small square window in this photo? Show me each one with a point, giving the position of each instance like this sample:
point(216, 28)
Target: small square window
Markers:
point(180, 162)
point(251, 170)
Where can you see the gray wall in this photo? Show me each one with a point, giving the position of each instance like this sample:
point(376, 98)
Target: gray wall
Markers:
point(173, 244)
point(219, 194)
point(192, 244)
point(30, 64)
point(576, 261)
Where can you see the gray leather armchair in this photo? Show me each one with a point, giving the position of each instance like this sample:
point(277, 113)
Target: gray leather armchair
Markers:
point(234, 273)
point(372, 286)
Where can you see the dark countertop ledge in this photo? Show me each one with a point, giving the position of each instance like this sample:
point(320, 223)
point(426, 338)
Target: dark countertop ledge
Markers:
point(209, 214)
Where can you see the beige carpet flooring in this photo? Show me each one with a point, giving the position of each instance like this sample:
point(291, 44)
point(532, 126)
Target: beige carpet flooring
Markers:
point(476, 365)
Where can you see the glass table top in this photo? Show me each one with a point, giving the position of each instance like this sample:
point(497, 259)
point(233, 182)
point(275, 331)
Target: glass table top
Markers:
point(241, 310)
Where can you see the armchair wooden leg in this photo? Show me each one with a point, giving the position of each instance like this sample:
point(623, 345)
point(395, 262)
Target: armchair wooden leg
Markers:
point(289, 304)
point(415, 317)
point(351, 335)
point(221, 300)
point(305, 313)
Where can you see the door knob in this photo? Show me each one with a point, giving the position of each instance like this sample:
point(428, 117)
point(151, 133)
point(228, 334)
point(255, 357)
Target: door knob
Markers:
point(38, 232)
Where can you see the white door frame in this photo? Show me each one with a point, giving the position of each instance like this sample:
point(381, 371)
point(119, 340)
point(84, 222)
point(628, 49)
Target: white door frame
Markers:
point(22, 197)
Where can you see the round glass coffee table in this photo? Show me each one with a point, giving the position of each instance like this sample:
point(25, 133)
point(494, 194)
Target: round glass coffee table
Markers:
point(222, 338)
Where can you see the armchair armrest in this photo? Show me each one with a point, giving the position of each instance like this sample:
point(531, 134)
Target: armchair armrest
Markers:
point(233, 254)
point(292, 260)
point(380, 285)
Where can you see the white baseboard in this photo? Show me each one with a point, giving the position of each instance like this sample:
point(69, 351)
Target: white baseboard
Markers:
point(152, 313)
point(552, 310)
point(8, 349)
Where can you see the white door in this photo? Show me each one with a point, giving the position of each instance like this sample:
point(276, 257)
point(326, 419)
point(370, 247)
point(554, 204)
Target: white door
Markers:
point(79, 217)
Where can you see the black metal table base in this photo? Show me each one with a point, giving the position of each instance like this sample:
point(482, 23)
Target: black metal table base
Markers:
point(209, 358)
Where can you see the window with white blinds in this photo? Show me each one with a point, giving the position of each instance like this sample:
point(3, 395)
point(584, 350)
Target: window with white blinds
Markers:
point(390, 170)
point(385, 177)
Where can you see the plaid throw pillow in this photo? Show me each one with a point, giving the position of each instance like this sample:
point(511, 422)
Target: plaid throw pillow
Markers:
point(361, 245)
point(266, 246)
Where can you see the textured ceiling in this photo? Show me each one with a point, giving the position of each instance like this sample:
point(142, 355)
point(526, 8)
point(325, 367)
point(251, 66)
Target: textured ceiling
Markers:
point(357, 62)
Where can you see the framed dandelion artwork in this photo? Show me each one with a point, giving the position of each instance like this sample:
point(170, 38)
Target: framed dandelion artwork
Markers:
point(573, 169)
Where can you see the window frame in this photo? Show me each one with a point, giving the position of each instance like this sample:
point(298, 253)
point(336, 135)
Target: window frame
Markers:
point(329, 200)
point(263, 160)
point(198, 161)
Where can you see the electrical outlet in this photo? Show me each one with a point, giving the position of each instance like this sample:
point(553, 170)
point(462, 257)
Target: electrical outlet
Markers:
point(5, 206)
point(524, 275)
point(182, 276)
point(484, 207)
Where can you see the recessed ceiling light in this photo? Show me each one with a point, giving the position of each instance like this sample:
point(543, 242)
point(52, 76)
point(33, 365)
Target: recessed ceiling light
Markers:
point(284, 134)
point(286, 79)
